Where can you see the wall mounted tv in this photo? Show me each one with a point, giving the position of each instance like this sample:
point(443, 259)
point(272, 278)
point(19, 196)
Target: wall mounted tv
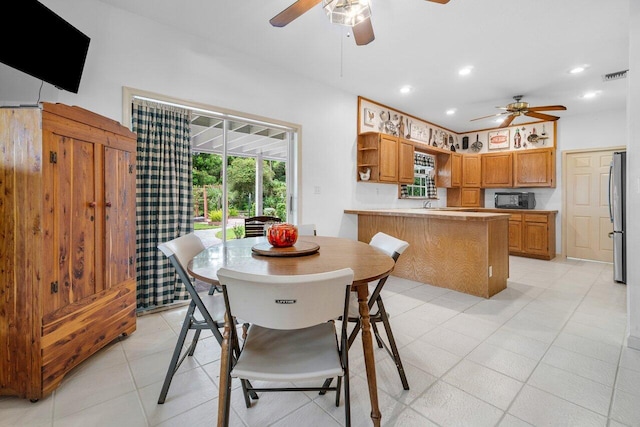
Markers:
point(42, 44)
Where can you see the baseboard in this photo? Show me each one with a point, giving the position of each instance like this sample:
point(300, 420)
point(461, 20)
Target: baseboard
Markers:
point(633, 342)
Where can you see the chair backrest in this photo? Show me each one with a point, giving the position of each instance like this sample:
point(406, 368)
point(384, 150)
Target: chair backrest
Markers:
point(184, 248)
point(255, 226)
point(306, 229)
point(388, 244)
point(286, 301)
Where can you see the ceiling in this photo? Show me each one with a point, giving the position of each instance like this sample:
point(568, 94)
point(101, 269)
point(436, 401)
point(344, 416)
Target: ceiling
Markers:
point(516, 47)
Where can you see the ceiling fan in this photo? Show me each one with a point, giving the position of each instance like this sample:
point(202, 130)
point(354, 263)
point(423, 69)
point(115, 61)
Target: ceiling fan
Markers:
point(519, 108)
point(354, 13)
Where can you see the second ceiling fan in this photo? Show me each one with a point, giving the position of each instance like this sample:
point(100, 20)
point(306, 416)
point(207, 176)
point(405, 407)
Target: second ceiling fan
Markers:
point(347, 12)
point(520, 108)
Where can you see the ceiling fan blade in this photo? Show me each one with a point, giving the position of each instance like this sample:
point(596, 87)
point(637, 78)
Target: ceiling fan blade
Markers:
point(507, 121)
point(548, 108)
point(363, 32)
point(292, 12)
point(439, 1)
point(486, 117)
point(540, 116)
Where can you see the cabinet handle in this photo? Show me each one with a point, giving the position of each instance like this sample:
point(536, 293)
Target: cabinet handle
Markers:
point(92, 204)
point(108, 204)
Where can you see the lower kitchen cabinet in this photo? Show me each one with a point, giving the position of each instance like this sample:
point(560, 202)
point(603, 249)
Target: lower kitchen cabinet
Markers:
point(533, 235)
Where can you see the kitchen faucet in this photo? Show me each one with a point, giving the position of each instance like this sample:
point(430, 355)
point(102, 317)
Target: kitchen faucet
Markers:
point(426, 204)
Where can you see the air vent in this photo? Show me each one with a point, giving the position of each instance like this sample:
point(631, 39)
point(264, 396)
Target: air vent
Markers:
point(615, 76)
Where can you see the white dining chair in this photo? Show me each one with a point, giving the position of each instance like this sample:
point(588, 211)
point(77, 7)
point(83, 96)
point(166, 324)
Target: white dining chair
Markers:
point(205, 312)
point(394, 248)
point(292, 336)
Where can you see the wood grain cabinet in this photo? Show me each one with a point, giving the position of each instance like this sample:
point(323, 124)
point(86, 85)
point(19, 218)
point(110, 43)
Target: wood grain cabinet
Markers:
point(497, 170)
point(534, 168)
point(405, 161)
point(471, 170)
point(67, 254)
point(389, 158)
point(515, 233)
point(449, 170)
point(533, 235)
point(469, 194)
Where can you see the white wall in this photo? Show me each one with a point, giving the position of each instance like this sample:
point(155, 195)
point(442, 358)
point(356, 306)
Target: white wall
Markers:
point(633, 180)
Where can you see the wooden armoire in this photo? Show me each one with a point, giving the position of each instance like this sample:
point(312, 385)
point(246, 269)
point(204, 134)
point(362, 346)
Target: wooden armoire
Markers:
point(67, 242)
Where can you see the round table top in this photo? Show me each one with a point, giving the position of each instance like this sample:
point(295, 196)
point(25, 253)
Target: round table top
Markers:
point(367, 262)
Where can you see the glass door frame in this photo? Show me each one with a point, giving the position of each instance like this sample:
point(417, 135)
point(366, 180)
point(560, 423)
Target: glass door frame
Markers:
point(293, 169)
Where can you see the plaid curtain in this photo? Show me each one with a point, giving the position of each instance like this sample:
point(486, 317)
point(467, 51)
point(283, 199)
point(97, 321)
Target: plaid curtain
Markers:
point(164, 198)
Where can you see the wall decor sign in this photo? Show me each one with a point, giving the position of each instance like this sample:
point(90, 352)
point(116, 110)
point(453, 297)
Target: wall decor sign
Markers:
point(498, 139)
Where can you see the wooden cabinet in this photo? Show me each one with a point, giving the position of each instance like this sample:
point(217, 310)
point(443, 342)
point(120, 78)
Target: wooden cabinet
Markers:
point(448, 170)
point(467, 197)
point(534, 168)
point(405, 161)
point(515, 233)
point(532, 233)
point(67, 203)
point(497, 170)
point(469, 194)
point(389, 158)
point(471, 171)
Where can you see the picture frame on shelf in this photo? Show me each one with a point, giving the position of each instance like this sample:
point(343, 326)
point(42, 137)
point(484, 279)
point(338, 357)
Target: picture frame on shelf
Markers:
point(369, 117)
point(498, 139)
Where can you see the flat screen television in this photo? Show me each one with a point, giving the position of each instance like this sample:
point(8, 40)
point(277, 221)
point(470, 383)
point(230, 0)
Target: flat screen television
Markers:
point(40, 43)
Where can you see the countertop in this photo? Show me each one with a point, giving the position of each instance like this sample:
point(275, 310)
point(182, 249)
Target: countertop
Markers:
point(455, 214)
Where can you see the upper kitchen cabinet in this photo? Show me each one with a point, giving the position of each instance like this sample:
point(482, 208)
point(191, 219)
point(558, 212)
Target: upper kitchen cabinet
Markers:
point(384, 158)
point(534, 168)
point(405, 161)
point(471, 171)
point(449, 170)
point(497, 170)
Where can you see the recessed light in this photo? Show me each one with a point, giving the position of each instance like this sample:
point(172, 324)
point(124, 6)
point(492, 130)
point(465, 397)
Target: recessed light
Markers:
point(589, 95)
point(406, 89)
point(451, 111)
point(577, 70)
point(465, 71)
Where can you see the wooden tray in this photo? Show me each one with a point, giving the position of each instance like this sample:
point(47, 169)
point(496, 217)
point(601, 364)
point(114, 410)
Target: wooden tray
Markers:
point(299, 249)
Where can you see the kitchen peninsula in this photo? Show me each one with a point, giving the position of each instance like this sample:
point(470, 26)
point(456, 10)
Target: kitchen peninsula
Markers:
point(460, 250)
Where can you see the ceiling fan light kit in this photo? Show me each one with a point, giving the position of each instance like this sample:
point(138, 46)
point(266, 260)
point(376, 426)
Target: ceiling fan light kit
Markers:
point(352, 13)
point(347, 12)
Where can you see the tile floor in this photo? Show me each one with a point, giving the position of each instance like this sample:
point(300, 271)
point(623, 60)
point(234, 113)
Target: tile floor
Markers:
point(549, 350)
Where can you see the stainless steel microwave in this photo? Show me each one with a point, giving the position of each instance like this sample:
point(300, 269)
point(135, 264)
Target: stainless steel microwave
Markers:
point(515, 200)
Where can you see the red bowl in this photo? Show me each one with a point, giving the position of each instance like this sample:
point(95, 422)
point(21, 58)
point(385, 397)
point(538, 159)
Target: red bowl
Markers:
point(282, 235)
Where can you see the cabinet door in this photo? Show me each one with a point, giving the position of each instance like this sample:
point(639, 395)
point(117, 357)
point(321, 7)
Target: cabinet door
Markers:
point(405, 162)
point(536, 235)
point(534, 168)
point(497, 170)
point(388, 158)
point(515, 233)
point(119, 214)
point(471, 168)
point(456, 170)
point(471, 197)
point(71, 227)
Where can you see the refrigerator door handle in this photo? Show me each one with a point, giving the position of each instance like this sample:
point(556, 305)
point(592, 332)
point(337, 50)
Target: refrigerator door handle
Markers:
point(609, 195)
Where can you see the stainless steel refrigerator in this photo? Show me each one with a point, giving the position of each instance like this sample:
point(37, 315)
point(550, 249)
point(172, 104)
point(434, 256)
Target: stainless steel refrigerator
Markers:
point(617, 178)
